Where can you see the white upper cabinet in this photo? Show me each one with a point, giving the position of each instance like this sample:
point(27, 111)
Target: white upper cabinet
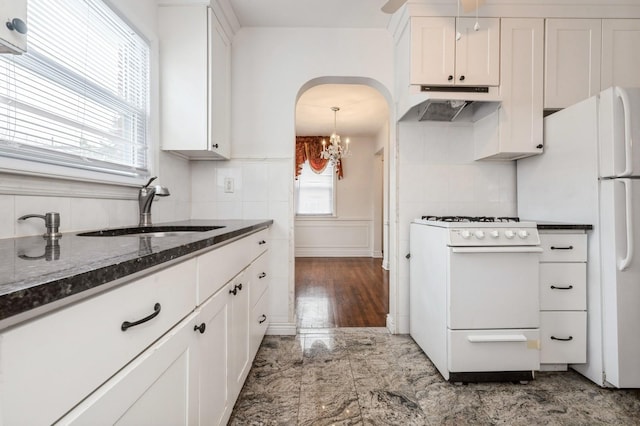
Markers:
point(194, 82)
point(620, 53)
point(13, 28)
point(515, 131)
point(438, 59)
point(572, 61)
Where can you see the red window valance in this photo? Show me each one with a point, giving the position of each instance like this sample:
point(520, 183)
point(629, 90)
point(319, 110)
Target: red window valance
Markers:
point(308, 148)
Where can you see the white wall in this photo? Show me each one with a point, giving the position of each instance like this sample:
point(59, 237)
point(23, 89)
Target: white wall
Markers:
point(351, 232)
point(270, 66)
point(84, 205)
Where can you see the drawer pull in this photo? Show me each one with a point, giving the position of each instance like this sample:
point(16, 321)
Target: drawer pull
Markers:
point(262, 275)
point(156, 311)
point(236, 288)
point(263, 318)
point(201, 328)
point(561, 248)
point(553, 287)
point(497, 338)
point(261, 242)
point(561, 339)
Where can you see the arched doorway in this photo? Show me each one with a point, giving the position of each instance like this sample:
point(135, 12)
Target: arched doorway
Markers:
point(340, 249)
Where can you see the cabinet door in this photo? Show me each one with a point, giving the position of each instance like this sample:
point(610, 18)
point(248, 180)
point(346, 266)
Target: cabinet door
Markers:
point(239, 334)
point(11, 41)
point(183, 78)
point(519, 122)
point(620, 53)
point(572, 61)
point(432, 50)
point(478, 52)
point(220, 96)
point(158, 388)
point(213, 350)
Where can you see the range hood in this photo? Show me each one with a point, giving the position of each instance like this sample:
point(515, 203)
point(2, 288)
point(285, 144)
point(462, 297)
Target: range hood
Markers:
point(461, 104)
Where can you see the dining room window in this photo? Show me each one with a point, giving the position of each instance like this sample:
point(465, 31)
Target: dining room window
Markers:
point(315, 192)
point(79, 97)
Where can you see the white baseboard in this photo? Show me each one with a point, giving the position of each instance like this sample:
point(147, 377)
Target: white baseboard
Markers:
point(377, 254)
point(391, 326)
point(385, 265)
point(282, 329)
point(332, 252)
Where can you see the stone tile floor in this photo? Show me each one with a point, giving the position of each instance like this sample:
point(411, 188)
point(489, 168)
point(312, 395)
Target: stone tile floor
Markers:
point(365, 376)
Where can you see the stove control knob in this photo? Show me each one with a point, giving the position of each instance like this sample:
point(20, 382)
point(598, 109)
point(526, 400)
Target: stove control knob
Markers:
point(465, 234)
point(523, 233)
point(494, 234)
point(509, 234)
point(479, 235)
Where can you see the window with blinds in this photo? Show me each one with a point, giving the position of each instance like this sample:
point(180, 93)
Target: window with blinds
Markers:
point(315, 192)
point(79, 97)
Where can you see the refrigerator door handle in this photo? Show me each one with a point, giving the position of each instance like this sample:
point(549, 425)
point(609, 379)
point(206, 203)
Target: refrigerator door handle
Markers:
point(628, 142)
point(626, 261)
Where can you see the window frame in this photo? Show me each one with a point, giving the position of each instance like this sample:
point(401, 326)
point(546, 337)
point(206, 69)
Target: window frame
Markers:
point(69, 171)
point(334, 191)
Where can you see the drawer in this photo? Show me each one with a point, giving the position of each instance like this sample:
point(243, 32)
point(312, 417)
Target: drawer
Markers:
point(563, 286)
point(218, 266)
point(563, 247)
point(563, 337)
point(493, 350)
point(259, 242)
point(259, 323)
point(259, 278)
point(60, 358)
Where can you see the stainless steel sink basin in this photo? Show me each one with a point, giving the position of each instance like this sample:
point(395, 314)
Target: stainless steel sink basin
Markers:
point(150, 231)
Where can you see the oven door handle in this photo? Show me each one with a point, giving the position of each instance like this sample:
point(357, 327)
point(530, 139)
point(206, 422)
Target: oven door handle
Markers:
point(496, 338)
point(517, 249)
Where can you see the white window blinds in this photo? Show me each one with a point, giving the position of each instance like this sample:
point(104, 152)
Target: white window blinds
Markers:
point(80, 96)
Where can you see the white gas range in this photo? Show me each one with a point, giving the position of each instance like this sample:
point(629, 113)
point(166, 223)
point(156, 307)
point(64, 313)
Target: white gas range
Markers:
point(474, 303)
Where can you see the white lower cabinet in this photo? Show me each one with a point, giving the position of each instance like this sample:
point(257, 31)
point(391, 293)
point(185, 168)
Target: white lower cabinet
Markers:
point(213, 349)
point(563, 299)
point(157, 388)
point(185, 364)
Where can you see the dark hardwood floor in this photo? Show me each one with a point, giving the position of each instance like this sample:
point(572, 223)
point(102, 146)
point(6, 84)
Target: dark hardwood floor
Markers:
point(341, 292)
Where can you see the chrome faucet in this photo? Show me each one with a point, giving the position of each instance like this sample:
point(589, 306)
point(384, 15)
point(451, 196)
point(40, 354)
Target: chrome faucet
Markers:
point(145, 198)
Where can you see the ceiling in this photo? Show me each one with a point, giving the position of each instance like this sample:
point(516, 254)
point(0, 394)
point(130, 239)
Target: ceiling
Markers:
point(363, 110)
point(311, 13)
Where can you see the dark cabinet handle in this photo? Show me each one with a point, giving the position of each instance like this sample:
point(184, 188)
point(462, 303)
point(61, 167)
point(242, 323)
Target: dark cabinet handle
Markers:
point(539, 146)
point(553, 287)
point(201, 328)
point(561, 248)
point(156, 311)
point(215, 145)
point(261, 242)
point(236, 288)
point(562, 339)
point(462, 78)
point(263, 318)
point(262, 275)
point(450, 78)
point(17, 25)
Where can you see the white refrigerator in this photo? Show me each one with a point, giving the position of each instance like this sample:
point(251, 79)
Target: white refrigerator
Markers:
point(590, 173)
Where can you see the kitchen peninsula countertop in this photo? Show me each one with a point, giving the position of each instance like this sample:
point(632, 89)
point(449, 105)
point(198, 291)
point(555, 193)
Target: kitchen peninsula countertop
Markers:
point(37, 276)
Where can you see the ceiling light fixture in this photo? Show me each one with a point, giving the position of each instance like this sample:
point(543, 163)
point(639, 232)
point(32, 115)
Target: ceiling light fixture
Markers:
point(336, 150)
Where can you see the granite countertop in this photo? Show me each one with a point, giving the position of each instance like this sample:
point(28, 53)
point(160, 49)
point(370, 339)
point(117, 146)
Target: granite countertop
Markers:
point(37, 276)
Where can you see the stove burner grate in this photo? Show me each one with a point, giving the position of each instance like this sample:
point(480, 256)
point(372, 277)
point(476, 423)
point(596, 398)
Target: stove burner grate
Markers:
point(471, 218)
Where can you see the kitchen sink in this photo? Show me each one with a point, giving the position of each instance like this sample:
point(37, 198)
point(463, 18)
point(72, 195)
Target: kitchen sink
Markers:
point(150, 231)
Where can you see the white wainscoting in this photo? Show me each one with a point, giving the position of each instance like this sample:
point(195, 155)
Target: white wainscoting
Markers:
point(334, 237)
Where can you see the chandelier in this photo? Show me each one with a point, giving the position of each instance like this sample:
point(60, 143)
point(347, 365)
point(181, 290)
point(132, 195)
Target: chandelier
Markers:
point(336, 150)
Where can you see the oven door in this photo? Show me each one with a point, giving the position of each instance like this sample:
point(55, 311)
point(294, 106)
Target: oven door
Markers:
point(493, 288)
